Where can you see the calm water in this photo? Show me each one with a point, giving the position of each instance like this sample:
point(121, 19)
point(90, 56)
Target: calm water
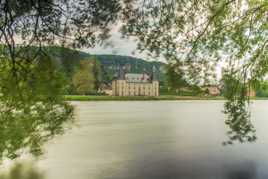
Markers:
point(156, 140)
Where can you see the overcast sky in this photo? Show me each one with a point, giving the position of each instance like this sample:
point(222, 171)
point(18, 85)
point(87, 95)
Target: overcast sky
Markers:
point(116, 45)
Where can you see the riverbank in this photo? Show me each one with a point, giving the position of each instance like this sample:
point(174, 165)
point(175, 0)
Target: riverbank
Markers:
point(137, 98)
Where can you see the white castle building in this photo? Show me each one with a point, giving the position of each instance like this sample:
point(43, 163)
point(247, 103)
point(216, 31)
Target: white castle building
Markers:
point(131, 84)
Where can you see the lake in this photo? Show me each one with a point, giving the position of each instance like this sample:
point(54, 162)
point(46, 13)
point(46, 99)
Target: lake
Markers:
point(155, 140)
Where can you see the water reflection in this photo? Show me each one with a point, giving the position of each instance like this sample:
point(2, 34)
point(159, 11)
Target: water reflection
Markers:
point(156, 140)
point(248, 172)
point(153, 169)
point(176, 169)
point(22, 171)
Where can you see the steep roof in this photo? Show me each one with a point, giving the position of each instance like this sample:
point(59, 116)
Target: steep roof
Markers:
point(137, 78)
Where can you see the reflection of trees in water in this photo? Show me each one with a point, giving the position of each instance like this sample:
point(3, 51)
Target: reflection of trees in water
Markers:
point(147, 170)
point(242, 174)
point(172, 168)
point(22, 171)
point(241, 128)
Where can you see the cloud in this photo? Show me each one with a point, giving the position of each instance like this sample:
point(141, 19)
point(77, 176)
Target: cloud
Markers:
point(117, 45)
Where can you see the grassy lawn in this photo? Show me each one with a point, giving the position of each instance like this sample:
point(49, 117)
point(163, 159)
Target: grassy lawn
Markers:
point(136, 98)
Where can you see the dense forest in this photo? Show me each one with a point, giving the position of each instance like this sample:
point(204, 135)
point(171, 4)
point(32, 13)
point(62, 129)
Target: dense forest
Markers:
point(69, 60)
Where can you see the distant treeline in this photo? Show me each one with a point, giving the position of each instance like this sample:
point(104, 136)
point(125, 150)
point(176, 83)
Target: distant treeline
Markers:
point(86, 73)
point(70, 62)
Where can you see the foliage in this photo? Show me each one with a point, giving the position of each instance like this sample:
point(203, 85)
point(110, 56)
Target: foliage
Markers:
point(203, 35)
point(177, 81)
point(262, 90)
point(69, 60)
point(236, 107)
point(76, 23)
point(96, 70)
point(191, 91)
point(32, 110)
point(198, 34)
point(137, 98)
point(175, 78)
point(83, 79)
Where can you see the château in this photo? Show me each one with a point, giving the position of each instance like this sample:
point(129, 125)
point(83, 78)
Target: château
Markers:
point(132, 84)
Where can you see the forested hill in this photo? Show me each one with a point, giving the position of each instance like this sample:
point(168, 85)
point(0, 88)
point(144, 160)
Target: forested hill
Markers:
point(69, 60)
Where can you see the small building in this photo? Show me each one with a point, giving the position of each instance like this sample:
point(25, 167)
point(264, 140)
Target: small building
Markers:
point(212, 90)
point(106, 89)
point(251, 92)
point(132, 84)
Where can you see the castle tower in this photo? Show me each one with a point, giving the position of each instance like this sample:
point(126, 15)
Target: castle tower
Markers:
point(155, 82)
point(121, 75)
point(154, 74)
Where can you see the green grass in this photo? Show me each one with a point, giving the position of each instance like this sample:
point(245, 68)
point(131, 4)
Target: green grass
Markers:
point(136, 98)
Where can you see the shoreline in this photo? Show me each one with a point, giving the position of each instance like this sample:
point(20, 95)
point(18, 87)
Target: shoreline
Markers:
point(146, 98)
point(138, 98)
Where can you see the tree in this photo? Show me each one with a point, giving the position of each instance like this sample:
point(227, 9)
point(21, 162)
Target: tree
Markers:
point(241, 128)
point(197, 34)
point(175, 78)
point(32, 109)
point(76, 23)
point(31, 88)
point(83, 79)
point(204, 34)
point(97, 74)
point(262, 89)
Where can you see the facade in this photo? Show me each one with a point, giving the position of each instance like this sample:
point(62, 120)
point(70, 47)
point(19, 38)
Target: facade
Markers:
point(108, 92)
point(212, 90)
point(131, 84)
point(251, 92)
point(106, 89)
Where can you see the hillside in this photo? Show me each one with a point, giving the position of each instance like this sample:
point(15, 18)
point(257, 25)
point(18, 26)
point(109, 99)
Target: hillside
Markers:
point(68, 60)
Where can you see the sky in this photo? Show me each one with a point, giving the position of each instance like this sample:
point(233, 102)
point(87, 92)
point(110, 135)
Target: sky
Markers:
point(116, 45)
